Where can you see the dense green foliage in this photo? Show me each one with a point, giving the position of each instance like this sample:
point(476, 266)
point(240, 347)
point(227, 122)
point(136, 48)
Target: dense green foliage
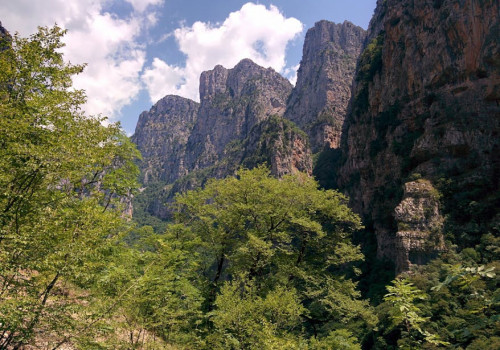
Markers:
point(370, 63)
point(276, 236)
point(62, 176)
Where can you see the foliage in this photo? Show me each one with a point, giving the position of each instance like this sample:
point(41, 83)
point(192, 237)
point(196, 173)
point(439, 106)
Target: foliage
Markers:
point(63, 176)
point(248, 262)
point(272, 234)
point(243, 319)
point(340, 339)
point(403, 296)
point(460, 305)
point(370, 63)
point(275, 135)
point(161, 299)
point(325, 166)
point(371, 59)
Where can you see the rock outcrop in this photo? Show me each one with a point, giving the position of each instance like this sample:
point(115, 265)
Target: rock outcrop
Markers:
point(233, 102)
point(161, 135)
point(318, 103)
point(419, 222)
point(5, 38)
point(425, 102)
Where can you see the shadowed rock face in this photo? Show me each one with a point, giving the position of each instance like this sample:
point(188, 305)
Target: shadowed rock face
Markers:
point(318, 103)
point(162, 135)
point(5, 38)
point(425, 101)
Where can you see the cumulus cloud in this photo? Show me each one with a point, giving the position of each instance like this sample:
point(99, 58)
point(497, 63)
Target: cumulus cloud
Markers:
point(254, 32)
point(141, 5)
point(162, 79)
point(107, 43)
point(291, 73)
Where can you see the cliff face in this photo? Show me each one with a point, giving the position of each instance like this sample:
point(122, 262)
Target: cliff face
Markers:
point(318, 103)
point(5, 38)
point(425, 104)
point(162, 135)
point(233, 102)
point(238, 122)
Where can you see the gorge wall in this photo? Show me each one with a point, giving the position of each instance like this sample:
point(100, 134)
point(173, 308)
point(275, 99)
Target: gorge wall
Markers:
point(425, 107)
point(318, 102)
point(162, 135)
point(247, 115)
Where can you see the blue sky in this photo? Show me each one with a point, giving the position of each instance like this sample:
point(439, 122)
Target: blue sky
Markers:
point(137, 51)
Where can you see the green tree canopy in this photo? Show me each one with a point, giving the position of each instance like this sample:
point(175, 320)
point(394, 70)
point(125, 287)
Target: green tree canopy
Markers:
point(270, 236)
point(63, 176)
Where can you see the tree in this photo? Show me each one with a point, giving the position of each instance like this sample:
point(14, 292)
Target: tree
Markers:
point(405, 312)
point(63, 175)
point(254, 229)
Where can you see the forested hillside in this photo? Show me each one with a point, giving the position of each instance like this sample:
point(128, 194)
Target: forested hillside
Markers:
point(356, 210)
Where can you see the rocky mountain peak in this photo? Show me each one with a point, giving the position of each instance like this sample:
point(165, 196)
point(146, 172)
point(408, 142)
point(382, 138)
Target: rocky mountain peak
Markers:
point(161, 135)
point(213, 82)
point(345, 36)
point(238, 123)
point(233, 101)
point(318, 103)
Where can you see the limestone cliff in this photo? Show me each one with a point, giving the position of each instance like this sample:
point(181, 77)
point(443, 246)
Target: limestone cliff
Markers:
point(238, 122)
point(233, 102)
point(425, 104)
point(318, 103)
point(162, 135)
point(5, 38)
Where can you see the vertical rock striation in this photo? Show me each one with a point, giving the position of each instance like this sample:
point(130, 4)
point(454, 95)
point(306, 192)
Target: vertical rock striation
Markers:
point(419, 224)
point(161, 136)
point(233, 102)
point(425, 103)
point(318, 103)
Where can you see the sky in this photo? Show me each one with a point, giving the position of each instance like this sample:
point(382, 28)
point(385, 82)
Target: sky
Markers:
point(138, 51)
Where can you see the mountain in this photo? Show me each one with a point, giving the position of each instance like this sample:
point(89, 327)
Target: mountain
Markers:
point(234, 102)
point(404, 119)
point(318, 103)
point(420, 144)
point(162, 136)
point(239, 122)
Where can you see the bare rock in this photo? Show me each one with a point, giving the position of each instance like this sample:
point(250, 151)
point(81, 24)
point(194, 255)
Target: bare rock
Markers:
point(318, 103)
point(162, 135)
point(419, 221)
point(426, 100)
point(233, 102)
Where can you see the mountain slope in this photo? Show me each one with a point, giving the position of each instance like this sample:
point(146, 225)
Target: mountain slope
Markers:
point(425, 109)
point(162, 135)
point(238, 123)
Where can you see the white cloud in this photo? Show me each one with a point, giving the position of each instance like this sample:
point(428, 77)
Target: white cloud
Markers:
point(162, 79)
point(141, 5)
point(254, 32)
point(291, 73)
point(107, 43)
